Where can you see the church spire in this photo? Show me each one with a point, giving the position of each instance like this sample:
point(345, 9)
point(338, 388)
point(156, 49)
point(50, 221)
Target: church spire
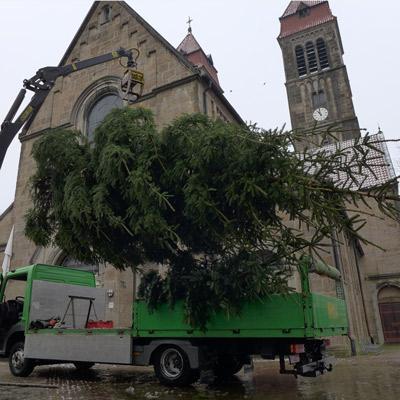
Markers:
point(191, 49)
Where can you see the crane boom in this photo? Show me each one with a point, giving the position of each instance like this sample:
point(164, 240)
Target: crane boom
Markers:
point(41, 84)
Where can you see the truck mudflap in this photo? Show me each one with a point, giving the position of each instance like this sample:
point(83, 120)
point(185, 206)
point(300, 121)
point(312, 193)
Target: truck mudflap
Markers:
point(309, 369)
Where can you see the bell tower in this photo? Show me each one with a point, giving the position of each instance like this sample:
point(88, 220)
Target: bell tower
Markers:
point(317, 84)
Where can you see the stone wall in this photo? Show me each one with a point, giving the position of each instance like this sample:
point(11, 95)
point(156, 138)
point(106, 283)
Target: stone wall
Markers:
point(380, 266)
point(344, 257)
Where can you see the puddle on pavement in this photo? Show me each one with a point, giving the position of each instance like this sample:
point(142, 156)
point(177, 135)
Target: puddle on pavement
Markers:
point(362, 378)
point(368, 379)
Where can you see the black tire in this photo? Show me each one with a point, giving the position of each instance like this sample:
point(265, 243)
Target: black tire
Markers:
point(227, 366)
point(83, 365)
point(19, 365)
point(172, 367)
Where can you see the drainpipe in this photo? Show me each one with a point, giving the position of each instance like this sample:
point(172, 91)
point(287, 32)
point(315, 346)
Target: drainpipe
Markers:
point(362, 296)
point(134, 299)
point(339, 267)
point(205, 97)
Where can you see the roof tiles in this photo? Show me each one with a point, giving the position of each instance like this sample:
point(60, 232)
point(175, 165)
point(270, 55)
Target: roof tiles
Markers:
point(189, 44)
point(195, 54)
point(294, 5)
point(380, 165)
point(291, 22)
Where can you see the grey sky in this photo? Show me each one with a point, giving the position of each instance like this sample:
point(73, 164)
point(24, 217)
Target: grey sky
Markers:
point(240, 35)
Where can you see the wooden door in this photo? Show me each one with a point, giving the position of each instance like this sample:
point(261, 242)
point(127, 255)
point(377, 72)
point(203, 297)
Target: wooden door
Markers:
point(390, 316)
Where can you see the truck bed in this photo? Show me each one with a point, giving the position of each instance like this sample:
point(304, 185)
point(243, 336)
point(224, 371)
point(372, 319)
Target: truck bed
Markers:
point(278, 316)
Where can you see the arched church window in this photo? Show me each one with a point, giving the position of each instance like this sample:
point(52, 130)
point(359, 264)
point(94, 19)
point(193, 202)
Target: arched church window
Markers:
point(71, 262)
point(311, 57)
point(318, 98)
point(105, 14)
point(301, 62)
point(99, 110)
point(322, 54)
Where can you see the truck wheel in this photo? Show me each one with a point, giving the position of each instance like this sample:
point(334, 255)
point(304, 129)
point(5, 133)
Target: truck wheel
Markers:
point(172, 367)
point(19, 365)
point(82, 365)
point(227, 366)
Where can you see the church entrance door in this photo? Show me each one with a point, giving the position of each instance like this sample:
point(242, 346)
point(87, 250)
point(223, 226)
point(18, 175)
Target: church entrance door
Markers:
point(390, 316)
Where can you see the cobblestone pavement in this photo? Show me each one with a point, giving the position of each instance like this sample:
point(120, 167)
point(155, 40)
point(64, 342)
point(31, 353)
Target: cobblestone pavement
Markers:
point(366, 377)
point(65, 382)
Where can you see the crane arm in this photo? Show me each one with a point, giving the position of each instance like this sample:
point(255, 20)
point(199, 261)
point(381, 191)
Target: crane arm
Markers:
point(40, 84)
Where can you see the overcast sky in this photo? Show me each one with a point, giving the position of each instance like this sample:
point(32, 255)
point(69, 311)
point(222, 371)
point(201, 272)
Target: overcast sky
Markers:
point(241, 37)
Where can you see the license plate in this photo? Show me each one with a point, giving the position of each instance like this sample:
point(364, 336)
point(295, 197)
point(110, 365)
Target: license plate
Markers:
point(294, 358)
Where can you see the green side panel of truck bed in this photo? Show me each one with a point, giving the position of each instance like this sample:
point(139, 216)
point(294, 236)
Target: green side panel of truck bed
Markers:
point(329, 314)
point(276, 317)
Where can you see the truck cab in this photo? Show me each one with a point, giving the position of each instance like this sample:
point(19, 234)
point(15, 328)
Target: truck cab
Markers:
point(15, 296)
point(12, 318)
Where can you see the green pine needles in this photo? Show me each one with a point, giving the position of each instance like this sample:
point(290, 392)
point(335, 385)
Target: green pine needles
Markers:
point(206, 198)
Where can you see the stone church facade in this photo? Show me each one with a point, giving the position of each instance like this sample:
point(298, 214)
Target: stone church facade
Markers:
point(184, 80)
point(177, 81)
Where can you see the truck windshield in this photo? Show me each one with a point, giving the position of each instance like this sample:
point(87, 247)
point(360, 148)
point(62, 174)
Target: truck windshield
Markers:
point(15, 287)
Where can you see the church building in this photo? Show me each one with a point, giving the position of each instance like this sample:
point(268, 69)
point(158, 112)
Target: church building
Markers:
point(184, 80)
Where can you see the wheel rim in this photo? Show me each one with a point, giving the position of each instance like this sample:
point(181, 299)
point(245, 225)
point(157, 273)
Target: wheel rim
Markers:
point(171, 363)
point(18, 359)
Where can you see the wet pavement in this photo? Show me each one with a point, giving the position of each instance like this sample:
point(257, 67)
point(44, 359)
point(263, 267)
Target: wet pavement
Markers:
point(366, 377)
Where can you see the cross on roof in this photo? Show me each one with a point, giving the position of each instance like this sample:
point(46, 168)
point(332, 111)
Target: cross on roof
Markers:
point(188, 22)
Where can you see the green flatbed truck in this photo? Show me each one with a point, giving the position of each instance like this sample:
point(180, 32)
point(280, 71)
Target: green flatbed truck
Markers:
point(286, 326)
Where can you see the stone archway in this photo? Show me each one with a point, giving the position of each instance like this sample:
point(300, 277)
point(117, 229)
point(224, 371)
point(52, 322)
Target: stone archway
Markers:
point(95, 91)
point(389, 311)
point(380, 338)
point(46, 255)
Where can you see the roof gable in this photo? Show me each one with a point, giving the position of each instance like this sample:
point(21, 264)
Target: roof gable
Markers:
point(302, 6)
point(96, 7)
point(189, 45)
point(295, 6)
point(126, 28)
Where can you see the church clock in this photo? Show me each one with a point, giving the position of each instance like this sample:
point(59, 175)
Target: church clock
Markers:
point(320, 114)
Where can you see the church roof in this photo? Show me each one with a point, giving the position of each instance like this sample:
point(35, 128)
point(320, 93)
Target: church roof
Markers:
point(194, 53)
point(296, 5)
point(189, 44)
point(292, 22)
point(380, 168)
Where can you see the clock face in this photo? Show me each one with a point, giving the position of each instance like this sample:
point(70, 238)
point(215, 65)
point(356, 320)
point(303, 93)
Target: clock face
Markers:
point(320, 114)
